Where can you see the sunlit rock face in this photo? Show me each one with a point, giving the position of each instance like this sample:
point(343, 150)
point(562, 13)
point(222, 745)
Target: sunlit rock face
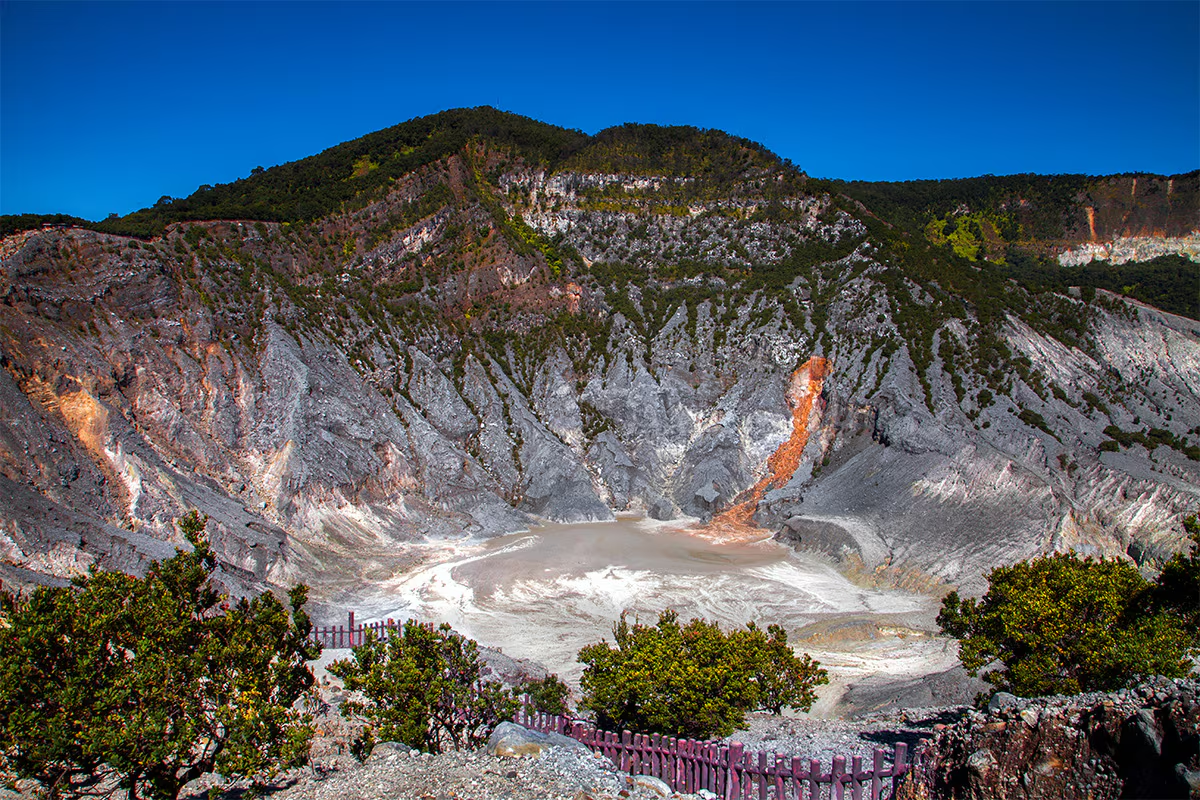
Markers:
point(563, 344)
point(1124, 249)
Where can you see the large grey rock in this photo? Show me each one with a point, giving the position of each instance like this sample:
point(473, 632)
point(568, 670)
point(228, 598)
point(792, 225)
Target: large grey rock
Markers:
point(510, 740)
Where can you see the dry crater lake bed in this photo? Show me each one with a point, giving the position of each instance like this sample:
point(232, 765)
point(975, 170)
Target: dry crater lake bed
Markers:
point(545, 593)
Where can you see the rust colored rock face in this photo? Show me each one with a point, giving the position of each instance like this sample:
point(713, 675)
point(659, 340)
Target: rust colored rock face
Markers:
point(803, 394)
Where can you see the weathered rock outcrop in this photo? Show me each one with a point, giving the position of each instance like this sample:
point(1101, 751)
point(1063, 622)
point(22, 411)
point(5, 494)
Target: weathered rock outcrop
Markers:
point(1139, 743)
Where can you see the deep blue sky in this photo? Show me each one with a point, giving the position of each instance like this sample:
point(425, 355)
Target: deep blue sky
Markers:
point(104, 107)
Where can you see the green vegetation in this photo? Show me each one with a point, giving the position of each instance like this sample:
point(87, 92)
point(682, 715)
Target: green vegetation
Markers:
point(693, 679)
point(1019, 207)
point(1063, 625)
point(1177, 588)
point(548, 695)
point(15, 223)
point(1008, 220)
point(679, 151)
point(1152, 438)
point(422, 686)
point(1171, 283)
point(149, 683)
point(354, 171)
point(1035, 420)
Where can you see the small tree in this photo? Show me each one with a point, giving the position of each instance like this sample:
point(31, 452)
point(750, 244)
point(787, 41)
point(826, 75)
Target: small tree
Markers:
point(1177, 588)
point(694, 679)
point(422, 686)
point(152, 682)
point(1064, 625)
point(783, 678)
point(547, 695)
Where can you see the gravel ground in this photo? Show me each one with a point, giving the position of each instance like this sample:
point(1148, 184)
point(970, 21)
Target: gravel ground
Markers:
point(824, 739)
point(393, 771)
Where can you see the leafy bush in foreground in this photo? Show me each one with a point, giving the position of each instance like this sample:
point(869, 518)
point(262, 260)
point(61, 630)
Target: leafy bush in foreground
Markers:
point(1064, 625)
point(694, 679)
point(149, 683)
point(421, 686)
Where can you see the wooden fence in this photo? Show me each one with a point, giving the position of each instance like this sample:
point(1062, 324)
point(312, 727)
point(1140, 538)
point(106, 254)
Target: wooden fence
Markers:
point(349, 635)
point(728, 769)
point(688, 765)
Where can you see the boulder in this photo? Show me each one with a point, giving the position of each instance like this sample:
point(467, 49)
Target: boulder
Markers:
point(510, 740)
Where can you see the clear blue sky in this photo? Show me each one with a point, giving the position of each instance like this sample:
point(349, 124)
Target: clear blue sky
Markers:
point(105, 107)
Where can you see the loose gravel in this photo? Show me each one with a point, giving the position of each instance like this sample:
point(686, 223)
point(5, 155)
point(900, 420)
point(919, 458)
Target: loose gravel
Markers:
point(394, 771)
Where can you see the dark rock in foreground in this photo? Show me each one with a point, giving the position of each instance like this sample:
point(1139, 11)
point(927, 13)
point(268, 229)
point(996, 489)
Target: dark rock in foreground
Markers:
point(1136, 743)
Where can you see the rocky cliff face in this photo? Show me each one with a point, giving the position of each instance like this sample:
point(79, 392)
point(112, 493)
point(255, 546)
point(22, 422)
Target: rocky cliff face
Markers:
point(488, 342)
point(1137, 743)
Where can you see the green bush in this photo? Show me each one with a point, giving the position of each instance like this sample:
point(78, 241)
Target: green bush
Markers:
point(548, 695)
point(693, 680)
point(421, 686)
point(1063, 625)
point(149, 683)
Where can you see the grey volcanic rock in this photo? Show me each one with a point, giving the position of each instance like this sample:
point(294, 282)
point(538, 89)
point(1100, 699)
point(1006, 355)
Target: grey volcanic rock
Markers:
point(333, 394)
point(510, 740)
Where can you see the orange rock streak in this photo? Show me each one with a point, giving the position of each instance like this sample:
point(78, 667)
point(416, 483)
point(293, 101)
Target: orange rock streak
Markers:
point(805, 388)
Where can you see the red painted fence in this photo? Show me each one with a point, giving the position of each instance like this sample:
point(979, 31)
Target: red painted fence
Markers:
point(728, 769)
point(688, 765)
point(349, 635)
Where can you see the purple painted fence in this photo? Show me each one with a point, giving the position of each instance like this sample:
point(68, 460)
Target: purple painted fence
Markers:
point(688, 765)
point(350, 635)
point(729, 770)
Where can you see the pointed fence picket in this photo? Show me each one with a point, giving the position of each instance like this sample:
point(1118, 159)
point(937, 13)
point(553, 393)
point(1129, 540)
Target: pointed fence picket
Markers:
point(727, 770)
point(350, 634)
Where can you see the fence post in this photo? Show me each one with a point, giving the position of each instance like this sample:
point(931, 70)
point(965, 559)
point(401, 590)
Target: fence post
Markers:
point(797, 776)
point(899, 766)
point(877, 773)
point(733, 785)
point(693, 769)
point(855, 771)
point(709, 763)
point(837, 788)
point(350, 627)
point(814, 778)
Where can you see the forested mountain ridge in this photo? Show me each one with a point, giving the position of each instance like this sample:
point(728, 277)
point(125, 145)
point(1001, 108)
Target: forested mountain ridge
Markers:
point(468, 319)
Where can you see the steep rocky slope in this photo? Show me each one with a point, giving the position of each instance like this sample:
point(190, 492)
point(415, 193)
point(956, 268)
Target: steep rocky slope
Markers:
point(658, 320)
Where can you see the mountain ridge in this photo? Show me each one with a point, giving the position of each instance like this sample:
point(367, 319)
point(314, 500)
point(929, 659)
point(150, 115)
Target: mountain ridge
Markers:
point(482, 341)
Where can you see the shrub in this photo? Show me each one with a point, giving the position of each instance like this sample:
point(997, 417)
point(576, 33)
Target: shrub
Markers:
point(151, 682)
point(782, 678)
point(421, 686)
point(548, 695)
point(1064, 625)
point(1177, 588)
point(694, 679)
